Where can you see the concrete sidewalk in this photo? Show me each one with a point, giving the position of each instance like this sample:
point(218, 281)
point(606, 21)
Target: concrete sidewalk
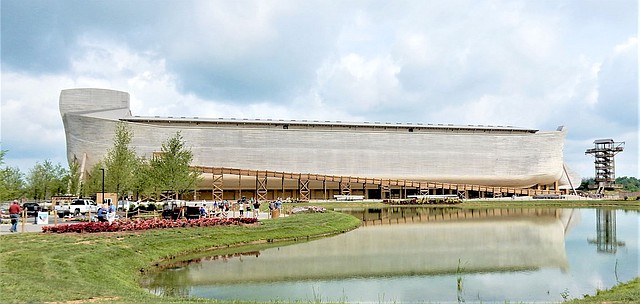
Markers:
point(27, 227)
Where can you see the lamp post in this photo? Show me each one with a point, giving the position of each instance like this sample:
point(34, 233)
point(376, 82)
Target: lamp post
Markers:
point(102, 169)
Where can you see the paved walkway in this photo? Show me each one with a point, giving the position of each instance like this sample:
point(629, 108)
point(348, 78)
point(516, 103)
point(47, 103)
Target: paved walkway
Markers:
point(29, 226)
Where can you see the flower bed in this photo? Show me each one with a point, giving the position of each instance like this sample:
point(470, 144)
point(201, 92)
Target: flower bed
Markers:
point(136, 225)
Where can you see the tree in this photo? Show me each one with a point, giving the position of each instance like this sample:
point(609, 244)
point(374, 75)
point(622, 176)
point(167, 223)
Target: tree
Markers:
point(93, 182)
point(170, 169)
point(145, 183)
point(11, 181)
point(74, 183)
point(45, 179)
point(13, 186)
point(584, 185)
point(630, 184)
point(121, 162)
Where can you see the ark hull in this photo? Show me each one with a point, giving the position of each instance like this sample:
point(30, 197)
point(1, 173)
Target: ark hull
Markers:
point(481, 155)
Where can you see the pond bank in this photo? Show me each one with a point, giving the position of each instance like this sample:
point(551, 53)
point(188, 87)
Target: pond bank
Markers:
point(105, 268)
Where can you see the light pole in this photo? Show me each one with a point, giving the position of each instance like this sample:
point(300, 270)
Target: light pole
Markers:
point(102, 169)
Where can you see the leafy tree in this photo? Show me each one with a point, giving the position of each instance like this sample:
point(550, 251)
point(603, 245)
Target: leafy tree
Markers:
point(630, 184)
point(144, 183)
point(121, 163)
point(12, 184)
point(93, 182)
point(74, 183)
point(11, 181)
point(170, 169)
point(3, 186)
point(584, 185)
point(46, 179)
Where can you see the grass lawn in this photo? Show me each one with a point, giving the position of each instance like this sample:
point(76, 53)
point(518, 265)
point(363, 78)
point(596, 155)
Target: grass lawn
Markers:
point(106, 267)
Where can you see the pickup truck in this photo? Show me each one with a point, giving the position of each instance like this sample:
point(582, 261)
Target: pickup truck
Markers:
point(77, 207)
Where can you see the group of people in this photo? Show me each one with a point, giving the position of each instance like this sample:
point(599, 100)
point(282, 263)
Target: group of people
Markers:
point(107, 214)
point(218, 209)
point(246, 207)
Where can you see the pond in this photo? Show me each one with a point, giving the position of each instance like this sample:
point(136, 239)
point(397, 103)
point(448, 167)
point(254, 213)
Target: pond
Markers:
point(409, 254)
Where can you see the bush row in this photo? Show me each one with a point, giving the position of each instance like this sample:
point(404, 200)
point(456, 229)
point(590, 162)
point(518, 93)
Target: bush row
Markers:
point(136, 225)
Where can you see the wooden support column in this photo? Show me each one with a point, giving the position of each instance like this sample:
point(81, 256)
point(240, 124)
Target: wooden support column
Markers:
point(364, 190)
point(304, 190)
point(461, 194)
point(239, 185)
point(324, 188)
point(282, 187)
point(424, 191)
point(261, 187)
point(217, 194)
point(345, 188)
point(385, 190)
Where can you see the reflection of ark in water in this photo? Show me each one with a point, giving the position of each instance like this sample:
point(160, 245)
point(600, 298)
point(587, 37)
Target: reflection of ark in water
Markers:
point(517, 240)
point(500, 156)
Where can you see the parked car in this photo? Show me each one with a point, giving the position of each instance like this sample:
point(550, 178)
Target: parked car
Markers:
point(77, 207)
point(32, 208)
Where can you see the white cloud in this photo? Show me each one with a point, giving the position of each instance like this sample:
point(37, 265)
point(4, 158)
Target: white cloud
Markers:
point(227, 31)
point(32, 130)
point(357, 84)
point(523, 63)
point(618, 85)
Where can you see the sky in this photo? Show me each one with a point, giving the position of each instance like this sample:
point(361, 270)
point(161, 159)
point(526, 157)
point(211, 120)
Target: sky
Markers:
point(526, 63)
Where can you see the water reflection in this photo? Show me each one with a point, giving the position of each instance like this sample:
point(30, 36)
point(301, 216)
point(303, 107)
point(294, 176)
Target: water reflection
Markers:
point(606, 238)
point(416, 254)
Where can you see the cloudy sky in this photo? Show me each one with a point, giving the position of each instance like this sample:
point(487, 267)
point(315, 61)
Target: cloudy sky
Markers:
point(530, 63)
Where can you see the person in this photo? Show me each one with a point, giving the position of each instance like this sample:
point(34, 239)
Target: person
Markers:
point(14, 213)
point(241, 208)
point(203, 212)
point(102, 214)
point(256, 208)
point(225, 208)
point(278, 204)
point(111, 216)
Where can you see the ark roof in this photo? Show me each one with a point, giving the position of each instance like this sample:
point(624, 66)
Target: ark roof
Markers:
point(320, 123)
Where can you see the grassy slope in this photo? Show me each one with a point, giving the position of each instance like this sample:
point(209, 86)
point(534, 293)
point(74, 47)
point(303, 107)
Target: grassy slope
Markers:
point(106, 267)
point(39, 267)
point(624, 293)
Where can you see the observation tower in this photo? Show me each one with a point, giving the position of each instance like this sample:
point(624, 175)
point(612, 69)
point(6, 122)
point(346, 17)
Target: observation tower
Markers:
point(604, 151)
